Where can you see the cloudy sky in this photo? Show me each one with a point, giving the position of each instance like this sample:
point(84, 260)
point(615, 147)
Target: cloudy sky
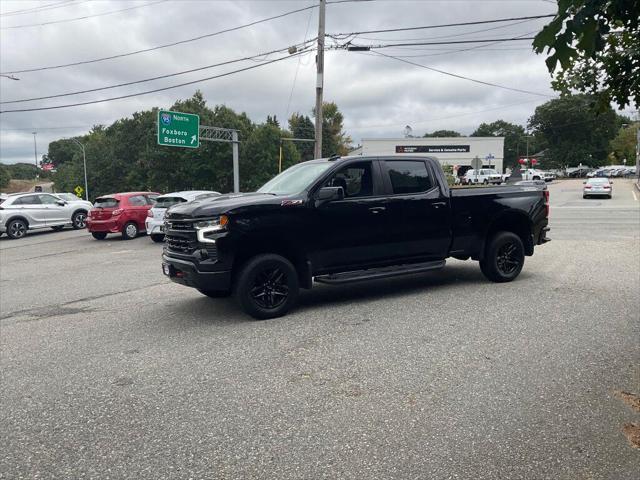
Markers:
point(377, 95)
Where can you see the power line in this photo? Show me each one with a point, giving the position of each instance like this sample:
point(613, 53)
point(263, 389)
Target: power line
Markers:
point(450, 42)
point(425, 27)
point(158, 47)
point(159, 77)
point(156, 89)
point(455, 75)
point(295, 77)
point(83, 17)
point(38, 9)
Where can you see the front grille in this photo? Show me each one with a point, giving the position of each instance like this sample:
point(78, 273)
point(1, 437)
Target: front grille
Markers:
point(180, 244)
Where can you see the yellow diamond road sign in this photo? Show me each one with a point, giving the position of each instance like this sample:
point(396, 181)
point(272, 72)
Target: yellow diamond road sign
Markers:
point(78, 191)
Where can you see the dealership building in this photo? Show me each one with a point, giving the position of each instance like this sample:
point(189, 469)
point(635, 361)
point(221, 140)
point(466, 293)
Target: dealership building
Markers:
point(454, 151)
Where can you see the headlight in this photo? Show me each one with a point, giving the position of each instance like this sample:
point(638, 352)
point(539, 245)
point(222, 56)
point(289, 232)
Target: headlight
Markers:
point(205, 227)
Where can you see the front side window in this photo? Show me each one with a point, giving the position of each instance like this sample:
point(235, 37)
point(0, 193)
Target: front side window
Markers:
point(49, 200)
point(356, 180)
point(409, 177)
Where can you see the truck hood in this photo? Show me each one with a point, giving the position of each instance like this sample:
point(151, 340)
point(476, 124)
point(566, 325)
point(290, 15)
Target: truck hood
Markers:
point(224, 204)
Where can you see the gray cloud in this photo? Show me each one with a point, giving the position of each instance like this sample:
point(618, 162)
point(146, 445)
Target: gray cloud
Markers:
point(377, 96)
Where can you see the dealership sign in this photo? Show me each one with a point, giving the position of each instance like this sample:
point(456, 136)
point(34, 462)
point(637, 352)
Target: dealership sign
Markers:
point(432, 148)
point(177, 129)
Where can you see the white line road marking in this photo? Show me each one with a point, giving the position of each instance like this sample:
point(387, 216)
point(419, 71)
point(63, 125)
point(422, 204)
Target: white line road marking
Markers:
point(634, 195)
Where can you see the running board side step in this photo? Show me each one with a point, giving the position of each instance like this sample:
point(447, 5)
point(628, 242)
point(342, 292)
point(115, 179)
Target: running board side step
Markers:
point(377, 273)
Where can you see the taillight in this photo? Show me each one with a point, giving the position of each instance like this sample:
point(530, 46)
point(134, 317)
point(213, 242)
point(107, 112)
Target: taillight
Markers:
point(116, 212)
point(149, 213)
point(547, 207)
point(588, 187)
point(606, 187)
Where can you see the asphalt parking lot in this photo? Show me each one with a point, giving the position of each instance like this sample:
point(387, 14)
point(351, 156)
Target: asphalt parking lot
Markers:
point(110, 371)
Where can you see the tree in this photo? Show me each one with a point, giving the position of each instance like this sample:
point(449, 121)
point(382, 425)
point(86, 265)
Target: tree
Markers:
point(4, 176)
point(301, 126)
point(334, 140)
point(596, 44)
point(572, 132)
point(624, 144)
point(515, 139)
point(443, 133)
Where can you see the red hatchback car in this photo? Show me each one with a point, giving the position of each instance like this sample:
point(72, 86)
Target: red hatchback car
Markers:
point(123, 213)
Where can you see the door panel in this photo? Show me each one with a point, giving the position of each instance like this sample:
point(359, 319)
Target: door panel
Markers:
point(351, 232)
point(422, 224)
point(55, 214)
point(32, 209)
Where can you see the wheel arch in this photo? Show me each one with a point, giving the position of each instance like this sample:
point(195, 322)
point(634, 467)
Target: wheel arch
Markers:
point(17, 217)
point(511, 221)
point(257, 244)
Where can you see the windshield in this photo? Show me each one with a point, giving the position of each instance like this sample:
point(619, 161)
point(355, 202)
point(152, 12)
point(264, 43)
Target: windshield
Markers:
point(106, 202)
point(166, 202)
point(295, 179)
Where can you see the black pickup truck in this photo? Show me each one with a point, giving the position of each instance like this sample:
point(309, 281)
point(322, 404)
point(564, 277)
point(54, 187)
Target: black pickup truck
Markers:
point(347, 219)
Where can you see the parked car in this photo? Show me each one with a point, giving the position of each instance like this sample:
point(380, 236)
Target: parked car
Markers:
point(535, 174)
point(70, 198)
point(123, 213)
point(597, 187)
point(343, 220)
point(483, 176)
point(29, 211)
point(154, 223)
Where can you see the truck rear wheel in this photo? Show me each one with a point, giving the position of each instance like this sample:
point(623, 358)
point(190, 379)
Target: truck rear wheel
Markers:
point(267, 286)
point(504, 257)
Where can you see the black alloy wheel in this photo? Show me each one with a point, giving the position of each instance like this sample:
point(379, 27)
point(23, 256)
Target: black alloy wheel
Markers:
point(267, 286)
point(270, 288)
point(507, 258)
point(504, 257)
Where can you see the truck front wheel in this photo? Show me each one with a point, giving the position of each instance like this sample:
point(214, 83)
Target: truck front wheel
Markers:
point(504, 257)
point(267, 286)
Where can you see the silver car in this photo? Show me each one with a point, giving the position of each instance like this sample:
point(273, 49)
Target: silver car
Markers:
point(597, 187)
point(29, 211)
point(155, 216)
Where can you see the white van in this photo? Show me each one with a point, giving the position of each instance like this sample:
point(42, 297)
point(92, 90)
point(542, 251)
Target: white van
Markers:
point(482, 176)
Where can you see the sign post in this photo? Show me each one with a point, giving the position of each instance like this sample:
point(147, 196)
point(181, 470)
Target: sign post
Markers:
point(476, 164)
point(177, 129)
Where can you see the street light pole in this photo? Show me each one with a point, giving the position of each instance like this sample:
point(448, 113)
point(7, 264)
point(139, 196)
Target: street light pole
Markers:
point(84, 163)
point(35, 152)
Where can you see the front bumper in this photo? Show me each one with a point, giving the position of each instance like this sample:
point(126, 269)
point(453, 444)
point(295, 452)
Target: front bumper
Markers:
point(186, 273)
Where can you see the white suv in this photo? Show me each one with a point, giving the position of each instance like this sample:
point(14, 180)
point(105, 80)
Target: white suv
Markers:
point(29, 211)
point(484, 175)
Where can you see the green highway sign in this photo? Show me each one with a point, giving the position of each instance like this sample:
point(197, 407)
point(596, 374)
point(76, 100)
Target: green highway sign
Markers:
point(177, 129)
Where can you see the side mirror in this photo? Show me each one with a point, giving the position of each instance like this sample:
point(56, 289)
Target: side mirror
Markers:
point(610, 182)
point(584, 182)
point(62, 203)
point(328, 194)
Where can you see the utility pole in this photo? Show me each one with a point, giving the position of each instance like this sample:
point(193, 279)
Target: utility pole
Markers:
point(84, 163)
point(319, 79)
point(35, 152)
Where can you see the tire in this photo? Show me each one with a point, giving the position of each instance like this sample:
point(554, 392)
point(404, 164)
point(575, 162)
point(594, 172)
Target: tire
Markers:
point(536, 178)
point(157, 237)
point(485, 182)
point(99, 235)
point(215, 293)
point(504, 257)
point(267, 286)
point(57, 228)
point(79, 220)
point(130, 231)
point(584, 196)
point(17, 229)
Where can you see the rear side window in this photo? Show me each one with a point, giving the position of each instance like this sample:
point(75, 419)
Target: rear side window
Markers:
point(409, 177)
point(166, 202)
point(27, 200)
point(106, 202)
point(137, 201)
